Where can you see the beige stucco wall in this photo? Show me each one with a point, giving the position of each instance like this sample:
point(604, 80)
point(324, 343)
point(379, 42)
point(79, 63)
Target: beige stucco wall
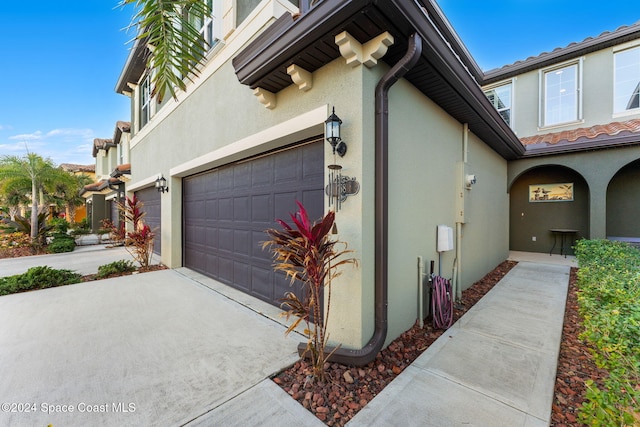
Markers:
point(425, 149)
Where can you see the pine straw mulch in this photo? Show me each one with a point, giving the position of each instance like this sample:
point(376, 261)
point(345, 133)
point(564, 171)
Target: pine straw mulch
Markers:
point(348, 389)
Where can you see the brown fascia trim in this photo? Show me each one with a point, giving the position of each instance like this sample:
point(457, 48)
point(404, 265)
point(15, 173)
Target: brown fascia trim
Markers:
point(134, 67)
point(574, 50)
point(278, 39)
point(617, 141)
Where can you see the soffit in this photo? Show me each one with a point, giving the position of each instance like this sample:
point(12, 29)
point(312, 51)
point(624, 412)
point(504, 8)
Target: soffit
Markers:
point(309, 42)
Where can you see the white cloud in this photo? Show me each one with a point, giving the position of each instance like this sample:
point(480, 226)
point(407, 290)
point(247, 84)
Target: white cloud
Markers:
point(37, 135)
point(5, 127)
point(63, 145)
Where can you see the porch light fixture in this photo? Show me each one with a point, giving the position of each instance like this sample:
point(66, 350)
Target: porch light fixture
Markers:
point(332, 133)
point(161, 184)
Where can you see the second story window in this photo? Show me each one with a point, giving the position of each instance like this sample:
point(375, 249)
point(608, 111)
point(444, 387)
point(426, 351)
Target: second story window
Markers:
point(501, 98)
point(145, 101)
point(207, 27)
point(561, 98)
point(627, 80)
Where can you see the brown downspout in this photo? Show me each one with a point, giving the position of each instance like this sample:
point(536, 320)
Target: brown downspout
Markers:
point(369, 352)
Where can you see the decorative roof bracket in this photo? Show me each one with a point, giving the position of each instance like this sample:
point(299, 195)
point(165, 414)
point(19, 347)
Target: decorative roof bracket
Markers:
point(300, 77)
point(266, 98)
point(368, 53)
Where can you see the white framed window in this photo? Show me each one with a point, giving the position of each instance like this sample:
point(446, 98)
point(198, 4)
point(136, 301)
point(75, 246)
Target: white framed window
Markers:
point(626, 87)
point(209, 27)
point(145, 102)
point(561, 98)
point(501, 96)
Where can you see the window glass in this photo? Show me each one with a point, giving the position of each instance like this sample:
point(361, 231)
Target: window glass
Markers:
point(500, 97)
point(561, 95)
point(627, 80)
point(145, 102)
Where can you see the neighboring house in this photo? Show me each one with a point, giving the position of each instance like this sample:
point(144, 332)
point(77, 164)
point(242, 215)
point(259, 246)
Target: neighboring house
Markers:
point(112, 170)
point(426, 147)
point(80, 212)
point(577, 111)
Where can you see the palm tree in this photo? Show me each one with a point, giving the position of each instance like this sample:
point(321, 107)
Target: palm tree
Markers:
point(13, 196)
point(175, 46)
point(31, 171)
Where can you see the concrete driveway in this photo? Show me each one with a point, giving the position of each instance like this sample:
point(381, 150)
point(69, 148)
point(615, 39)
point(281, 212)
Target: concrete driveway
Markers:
point(149, 349)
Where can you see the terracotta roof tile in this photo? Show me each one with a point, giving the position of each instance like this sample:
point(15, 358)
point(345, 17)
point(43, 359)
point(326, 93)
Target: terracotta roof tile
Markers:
point(570, 45)
point(592, 132)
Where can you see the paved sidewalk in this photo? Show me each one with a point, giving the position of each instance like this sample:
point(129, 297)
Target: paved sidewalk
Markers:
point(494, 367)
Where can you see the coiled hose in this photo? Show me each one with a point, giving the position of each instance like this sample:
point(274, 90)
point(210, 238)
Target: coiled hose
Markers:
point(441, 303)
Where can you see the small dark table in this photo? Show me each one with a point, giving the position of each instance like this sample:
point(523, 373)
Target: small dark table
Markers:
point(562, 232)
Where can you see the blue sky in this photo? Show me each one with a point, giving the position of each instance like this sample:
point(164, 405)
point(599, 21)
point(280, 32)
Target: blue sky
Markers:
point(60, 60)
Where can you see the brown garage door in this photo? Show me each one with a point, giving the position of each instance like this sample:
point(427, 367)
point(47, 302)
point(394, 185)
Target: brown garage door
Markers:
point(227, 209)
point(150, 197)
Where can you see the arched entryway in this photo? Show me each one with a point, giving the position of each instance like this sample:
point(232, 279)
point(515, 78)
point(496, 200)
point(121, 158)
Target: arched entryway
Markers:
point(545, 198)
point(623, 203)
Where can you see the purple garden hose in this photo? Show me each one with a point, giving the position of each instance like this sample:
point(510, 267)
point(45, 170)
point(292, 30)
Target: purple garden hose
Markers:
point(441, 303)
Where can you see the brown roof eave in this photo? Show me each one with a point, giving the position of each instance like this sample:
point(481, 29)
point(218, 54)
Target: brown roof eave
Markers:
point(134, 67)
point(287, 35)
point(285, 41)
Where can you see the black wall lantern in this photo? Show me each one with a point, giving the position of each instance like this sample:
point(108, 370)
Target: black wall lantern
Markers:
point(161, 184)
point(332, 132)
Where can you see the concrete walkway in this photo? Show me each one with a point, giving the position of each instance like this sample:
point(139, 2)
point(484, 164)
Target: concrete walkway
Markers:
point(494, 367)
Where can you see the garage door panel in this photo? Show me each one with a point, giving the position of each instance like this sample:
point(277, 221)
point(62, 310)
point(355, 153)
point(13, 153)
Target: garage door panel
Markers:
point(211, 210)
point(287, 167)
point(261, 172)
point(242, 242)
point(261, 209)
point(248, 198)
point(225, 209)
point(225, 180)
point(312, 164)
point(284, 204)
point(262, 282)
point(226, 240)
point(241, 208)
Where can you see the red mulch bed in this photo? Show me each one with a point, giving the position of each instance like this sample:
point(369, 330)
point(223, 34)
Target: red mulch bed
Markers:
point(348, 389)
point(20, 252)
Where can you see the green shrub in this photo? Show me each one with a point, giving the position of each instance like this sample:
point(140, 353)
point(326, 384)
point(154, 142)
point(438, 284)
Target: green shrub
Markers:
point(115, 267)
point(609, 302)
point(61, 243)
point(37, 278)
point(59, 225)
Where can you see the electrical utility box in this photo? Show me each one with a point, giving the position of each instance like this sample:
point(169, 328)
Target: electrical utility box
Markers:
point(445, 239)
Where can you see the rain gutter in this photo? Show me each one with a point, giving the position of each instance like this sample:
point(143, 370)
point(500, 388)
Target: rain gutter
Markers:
point(368, 353)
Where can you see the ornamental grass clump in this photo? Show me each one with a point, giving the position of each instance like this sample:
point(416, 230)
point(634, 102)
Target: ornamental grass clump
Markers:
point(308, 256)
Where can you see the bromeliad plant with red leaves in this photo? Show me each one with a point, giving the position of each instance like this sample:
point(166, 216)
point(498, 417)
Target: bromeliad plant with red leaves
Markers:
point(305, 252)
point(139, 241)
